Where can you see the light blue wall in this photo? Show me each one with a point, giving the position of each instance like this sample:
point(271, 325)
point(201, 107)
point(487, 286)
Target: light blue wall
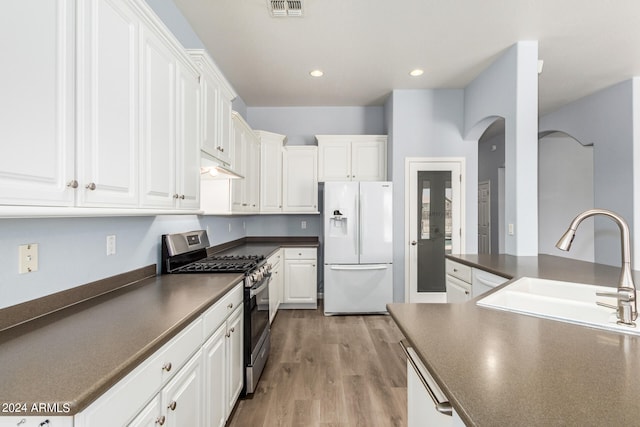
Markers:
point(606, 120)
point(72, 251)
point(169, 13)
point(429, 123)
point(300, 124)
point(508, 88)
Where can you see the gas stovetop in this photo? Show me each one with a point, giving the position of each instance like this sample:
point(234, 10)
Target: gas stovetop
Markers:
point(223, 264)
point(187, 253)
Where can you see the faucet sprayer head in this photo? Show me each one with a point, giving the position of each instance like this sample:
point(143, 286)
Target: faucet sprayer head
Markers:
point(564, 244)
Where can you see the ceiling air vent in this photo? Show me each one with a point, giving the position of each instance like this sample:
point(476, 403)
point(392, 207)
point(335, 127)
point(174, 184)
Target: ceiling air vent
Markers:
point(283, 8)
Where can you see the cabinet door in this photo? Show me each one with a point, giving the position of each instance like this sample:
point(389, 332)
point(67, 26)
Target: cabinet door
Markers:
point(215, 371)
point(334, 160)
point(300, 179)
point(457, 290)
point(188, 142)
point(150, 416)
point(369, 160)
point(235, 357)
point(270, 176)
point(158, 122)
point(252, 176)
point(210, 114)
point(182, 396)
point(37, 103)
point(225, 140)
point(107, 113)
point(300, 281)
point(238, 203)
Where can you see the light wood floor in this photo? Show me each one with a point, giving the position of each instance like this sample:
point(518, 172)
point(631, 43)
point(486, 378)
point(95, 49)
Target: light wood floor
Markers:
point(329, 371)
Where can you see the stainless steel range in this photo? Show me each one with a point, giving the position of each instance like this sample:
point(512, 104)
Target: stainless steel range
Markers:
point(186, 253)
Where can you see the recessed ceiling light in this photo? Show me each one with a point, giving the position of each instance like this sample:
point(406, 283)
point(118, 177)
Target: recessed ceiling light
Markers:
point(316, 73)
point(417, 72)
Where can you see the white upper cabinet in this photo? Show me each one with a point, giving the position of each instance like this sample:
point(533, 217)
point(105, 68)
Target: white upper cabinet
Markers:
point(271, 146)
point(107, 113)
point(217, 95)
point(37, 103)
point(102, 110)
point(300, 179)
point(245, 193)
point(170, 129)
point(352, 157)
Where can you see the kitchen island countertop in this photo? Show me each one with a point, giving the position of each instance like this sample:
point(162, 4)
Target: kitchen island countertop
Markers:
point(500, 368)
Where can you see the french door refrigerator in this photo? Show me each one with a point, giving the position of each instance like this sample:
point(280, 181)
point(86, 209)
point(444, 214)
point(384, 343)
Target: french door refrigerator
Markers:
point(358, 247)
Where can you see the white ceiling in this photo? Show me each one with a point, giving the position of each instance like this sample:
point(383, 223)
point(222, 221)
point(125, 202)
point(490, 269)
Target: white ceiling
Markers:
point(367, 47)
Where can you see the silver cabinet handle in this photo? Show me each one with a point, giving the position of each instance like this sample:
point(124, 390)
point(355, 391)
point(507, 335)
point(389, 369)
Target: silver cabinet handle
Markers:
point(72, 184)
point(442, 407)
point(175, 196)
point(182, 196)
point(230, 306)
point(161, 420)
point(166, 367)
point(91, 186)
point(172, 405)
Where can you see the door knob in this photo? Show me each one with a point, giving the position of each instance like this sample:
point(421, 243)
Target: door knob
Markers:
point(413, 243)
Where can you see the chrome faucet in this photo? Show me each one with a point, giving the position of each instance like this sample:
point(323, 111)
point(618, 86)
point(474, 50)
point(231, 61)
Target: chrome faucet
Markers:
point(627, 310)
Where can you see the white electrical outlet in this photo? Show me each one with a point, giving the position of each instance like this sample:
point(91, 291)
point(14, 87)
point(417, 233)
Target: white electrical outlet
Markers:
point(111, 245)
point(28, 258)
point(511, 232)
point(303, 225)
point(229, 227)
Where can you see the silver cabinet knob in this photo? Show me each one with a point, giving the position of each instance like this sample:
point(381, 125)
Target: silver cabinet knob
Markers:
point(172, 405)
point(72, 184)
point(230, 306)
point(228, 334)
point(161, 420)
point(182, 196)
point(166, 367)
point(175, 196)
point(91, 186)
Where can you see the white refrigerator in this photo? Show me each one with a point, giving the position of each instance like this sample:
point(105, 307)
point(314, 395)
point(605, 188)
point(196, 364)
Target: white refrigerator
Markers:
point(358, 247)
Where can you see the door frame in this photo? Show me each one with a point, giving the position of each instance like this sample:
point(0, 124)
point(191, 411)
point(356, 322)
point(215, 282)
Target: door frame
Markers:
point(461, 161)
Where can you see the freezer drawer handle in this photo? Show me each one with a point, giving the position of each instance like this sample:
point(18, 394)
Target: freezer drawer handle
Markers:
point(442, 407)
point(359, 267)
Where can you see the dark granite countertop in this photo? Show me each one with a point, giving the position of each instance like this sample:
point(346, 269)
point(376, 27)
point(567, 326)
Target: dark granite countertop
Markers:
point(500, 368)
point(76, 354)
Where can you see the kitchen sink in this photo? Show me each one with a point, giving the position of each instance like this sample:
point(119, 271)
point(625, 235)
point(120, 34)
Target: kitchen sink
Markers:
point(562, 301)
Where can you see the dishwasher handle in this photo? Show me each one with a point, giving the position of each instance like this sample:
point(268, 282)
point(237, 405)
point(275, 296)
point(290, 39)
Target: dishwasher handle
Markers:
point(443, 407)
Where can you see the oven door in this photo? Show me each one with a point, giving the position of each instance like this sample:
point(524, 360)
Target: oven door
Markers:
point(257, 312)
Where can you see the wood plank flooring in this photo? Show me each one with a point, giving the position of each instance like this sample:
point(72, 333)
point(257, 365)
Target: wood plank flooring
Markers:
point(338, 371)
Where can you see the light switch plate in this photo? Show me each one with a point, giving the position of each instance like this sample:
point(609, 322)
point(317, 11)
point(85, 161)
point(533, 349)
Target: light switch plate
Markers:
point(28, 258)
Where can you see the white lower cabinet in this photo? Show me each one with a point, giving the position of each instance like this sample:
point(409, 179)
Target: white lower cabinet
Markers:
point(223, 365)
point(185, 382)
point(300, 278)
point(276, 285)
point(426, 404)
point(180, 403)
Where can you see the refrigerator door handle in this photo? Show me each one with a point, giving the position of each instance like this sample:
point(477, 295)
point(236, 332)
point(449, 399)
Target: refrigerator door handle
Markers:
point(360, 267)
point(360, 229)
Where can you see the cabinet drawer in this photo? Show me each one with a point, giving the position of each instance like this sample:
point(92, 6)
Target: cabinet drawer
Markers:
point(217, 314)
point(274, 259)
point(300, 253)
point(178, 350)
point(461, 271)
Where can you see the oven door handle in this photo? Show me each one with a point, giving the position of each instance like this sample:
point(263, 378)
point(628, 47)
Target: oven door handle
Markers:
point(265, 283)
